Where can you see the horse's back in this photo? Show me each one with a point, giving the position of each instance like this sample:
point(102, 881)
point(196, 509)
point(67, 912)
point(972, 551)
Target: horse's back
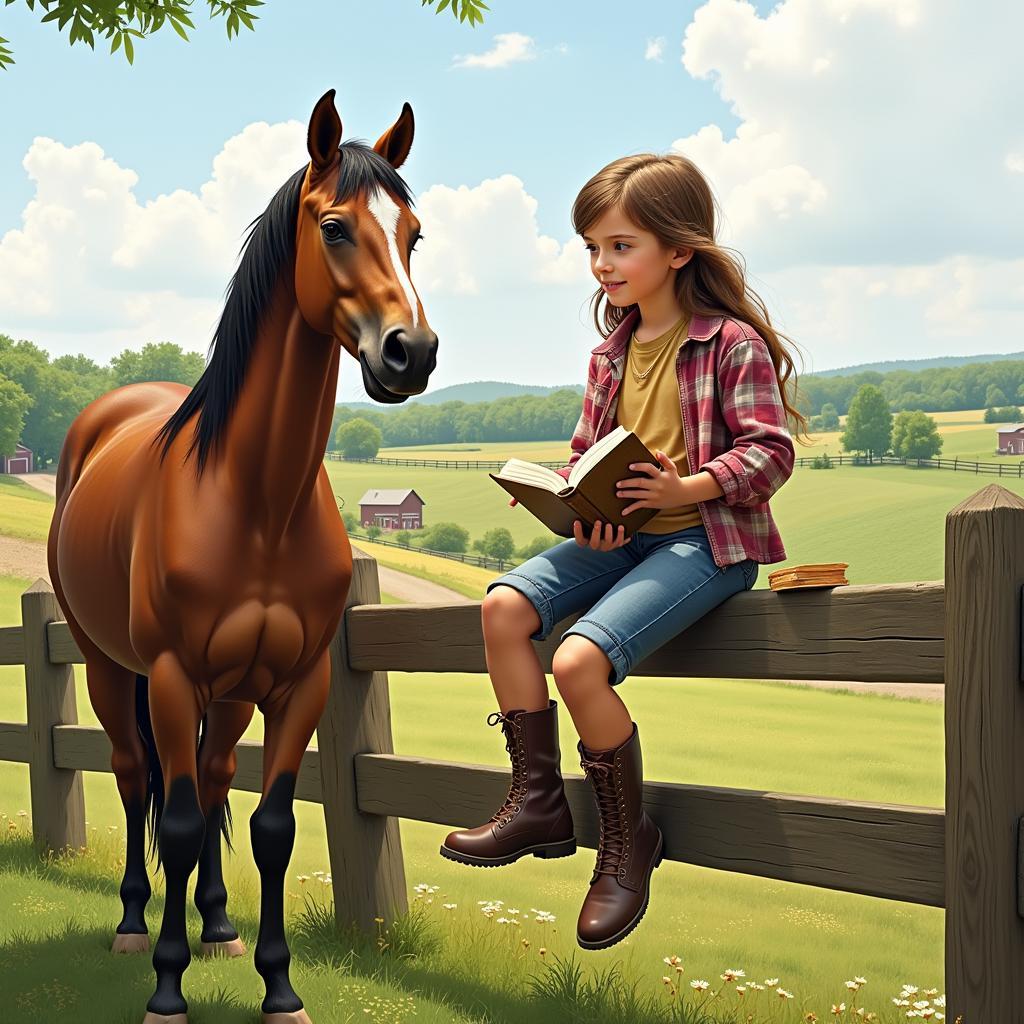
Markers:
point(131, 414)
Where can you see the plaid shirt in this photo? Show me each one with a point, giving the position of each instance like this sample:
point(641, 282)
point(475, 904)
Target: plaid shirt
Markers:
point(730, 402)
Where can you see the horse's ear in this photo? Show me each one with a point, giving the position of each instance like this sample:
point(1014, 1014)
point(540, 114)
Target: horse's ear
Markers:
point(324, 135)
point(395, 143)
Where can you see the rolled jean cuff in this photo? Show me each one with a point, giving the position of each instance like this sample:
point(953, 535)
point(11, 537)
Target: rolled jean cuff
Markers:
point(607, 643)
point(533, 593)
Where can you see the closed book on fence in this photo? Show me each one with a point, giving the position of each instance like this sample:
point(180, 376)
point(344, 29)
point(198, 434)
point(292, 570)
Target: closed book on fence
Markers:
point(809, 575)
point(589, 493)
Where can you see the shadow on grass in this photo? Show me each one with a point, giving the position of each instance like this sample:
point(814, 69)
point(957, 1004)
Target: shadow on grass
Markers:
point(70, 974)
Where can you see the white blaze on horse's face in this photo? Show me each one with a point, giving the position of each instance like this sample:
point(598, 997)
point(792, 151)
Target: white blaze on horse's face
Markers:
point(385, 212)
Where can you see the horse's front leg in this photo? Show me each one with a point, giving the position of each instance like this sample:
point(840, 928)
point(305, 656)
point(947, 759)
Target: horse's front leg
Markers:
point(291, 718)
point(225, 723)
point(175, 711)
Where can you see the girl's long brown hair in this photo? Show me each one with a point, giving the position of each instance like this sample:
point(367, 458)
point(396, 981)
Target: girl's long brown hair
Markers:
point(668, 196)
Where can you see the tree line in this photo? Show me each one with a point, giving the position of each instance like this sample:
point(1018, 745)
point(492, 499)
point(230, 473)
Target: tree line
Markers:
point(40, 396)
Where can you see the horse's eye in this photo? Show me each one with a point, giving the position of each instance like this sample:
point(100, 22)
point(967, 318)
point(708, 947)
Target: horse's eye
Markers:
point(418, 238)
point(333, 232)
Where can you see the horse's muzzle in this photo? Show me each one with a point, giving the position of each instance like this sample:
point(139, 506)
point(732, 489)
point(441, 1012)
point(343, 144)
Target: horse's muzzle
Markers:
point(402, 366)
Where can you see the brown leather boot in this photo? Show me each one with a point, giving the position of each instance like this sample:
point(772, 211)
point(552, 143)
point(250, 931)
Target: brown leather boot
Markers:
point(535, 817)
point(629, 848)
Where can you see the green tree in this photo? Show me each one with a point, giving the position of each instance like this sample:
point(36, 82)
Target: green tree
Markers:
point(994, 395)
point(157, 361)
point(403, 537)
point(915, 435)
point(446, 537)
point(869, 423)
point(14, 404)
point(351, 521)
point(121, 21)
point(498, 543)
point(58, 396)
point(358, 439)
point(536, 546)
point(373, 531)
point(829, 417)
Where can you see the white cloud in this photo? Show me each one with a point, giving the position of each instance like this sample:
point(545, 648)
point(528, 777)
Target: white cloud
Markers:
point(509, 48)
point(92, 269)
point(869, 132)
point(1015, 163)
point(486, 238)
point(655, 48)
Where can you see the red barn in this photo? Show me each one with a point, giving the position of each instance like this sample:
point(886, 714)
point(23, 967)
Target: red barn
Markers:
point(1010, 440)
point(19, 462)
point(391, 509)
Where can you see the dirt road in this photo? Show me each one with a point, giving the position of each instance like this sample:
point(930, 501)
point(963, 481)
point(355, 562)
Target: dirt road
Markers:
point(28, 559)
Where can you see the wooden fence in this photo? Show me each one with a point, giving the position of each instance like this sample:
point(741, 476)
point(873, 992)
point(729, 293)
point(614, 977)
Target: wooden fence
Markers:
point(964, 632)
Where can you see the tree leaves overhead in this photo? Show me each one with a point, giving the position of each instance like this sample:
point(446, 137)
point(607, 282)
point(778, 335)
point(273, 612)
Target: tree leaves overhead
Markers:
point(121, 21)
point(462, 10)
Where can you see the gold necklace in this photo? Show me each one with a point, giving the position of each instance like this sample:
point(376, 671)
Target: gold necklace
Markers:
point(641, 378)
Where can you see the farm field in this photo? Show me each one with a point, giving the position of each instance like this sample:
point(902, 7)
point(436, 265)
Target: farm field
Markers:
point(723, 732)
point(980, 443)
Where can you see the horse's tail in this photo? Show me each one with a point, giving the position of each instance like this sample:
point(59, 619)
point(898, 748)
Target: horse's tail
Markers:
point(225, 821)
point(153, 807)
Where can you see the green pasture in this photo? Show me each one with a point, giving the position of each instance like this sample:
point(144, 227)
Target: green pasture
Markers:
point(887, 522)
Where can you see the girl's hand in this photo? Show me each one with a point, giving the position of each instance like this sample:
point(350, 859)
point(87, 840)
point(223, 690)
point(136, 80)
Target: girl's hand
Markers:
point(602, 538)
point(661, 487)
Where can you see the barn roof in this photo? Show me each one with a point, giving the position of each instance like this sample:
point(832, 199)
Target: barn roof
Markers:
point(394, 496)
point(1012, 426)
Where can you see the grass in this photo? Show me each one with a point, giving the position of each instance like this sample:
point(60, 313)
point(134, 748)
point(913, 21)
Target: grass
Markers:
point(442, 961)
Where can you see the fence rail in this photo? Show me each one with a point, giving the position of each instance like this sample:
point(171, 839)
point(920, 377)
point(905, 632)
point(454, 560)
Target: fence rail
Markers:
point(964, 631)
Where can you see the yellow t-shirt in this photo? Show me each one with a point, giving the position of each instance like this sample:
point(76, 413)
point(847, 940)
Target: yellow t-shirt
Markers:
point(650, 408)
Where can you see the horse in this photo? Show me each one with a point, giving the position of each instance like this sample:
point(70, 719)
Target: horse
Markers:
point(201, 582)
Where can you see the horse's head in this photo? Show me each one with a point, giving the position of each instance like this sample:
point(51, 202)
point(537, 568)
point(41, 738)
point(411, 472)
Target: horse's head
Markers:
point(354, 238)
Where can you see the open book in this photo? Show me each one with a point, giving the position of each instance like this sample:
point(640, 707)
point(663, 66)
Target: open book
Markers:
point(589, 493)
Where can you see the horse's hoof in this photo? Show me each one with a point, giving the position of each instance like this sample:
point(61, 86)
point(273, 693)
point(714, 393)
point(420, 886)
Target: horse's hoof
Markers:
point(233, 947)
point(162, 1018)
point(297, 1017)
point(133, 943)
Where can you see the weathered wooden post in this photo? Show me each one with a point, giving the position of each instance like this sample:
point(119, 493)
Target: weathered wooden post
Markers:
point(367, 870)
point(58, 800)
point(984, 757)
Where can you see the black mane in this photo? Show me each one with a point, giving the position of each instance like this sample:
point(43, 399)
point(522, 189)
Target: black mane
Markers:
point(267, 249)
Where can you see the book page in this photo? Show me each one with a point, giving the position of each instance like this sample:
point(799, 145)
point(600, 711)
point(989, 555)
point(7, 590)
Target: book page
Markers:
point(531, 473)
point(595, 453)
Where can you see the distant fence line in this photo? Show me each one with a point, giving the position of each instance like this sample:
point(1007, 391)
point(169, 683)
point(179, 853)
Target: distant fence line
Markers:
point(437, 463)
point(994, 468)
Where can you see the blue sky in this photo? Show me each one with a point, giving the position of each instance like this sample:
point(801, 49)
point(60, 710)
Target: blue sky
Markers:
point(552, 121)
point(866, 154)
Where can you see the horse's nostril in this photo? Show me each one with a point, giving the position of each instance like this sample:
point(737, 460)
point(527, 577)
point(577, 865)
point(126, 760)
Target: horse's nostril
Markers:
point(393, 351)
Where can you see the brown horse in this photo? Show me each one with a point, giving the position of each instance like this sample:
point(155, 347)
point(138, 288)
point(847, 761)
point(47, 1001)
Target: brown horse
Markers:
point(200, 582)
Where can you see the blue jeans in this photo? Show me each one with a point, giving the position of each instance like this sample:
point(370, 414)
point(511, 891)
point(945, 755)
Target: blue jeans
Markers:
point(640, 595)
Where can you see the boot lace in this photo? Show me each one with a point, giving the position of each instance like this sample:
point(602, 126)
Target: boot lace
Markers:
point(612, 843)
point(512, 728)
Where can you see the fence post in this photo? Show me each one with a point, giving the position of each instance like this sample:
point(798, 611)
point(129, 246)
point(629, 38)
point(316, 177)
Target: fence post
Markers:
point(984, 715)
point(58, 800)
point(367, 870)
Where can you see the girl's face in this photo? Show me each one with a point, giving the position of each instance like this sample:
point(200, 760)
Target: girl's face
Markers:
point(630, 263)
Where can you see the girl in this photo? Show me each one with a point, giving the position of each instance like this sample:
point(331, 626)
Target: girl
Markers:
point(691, 363)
